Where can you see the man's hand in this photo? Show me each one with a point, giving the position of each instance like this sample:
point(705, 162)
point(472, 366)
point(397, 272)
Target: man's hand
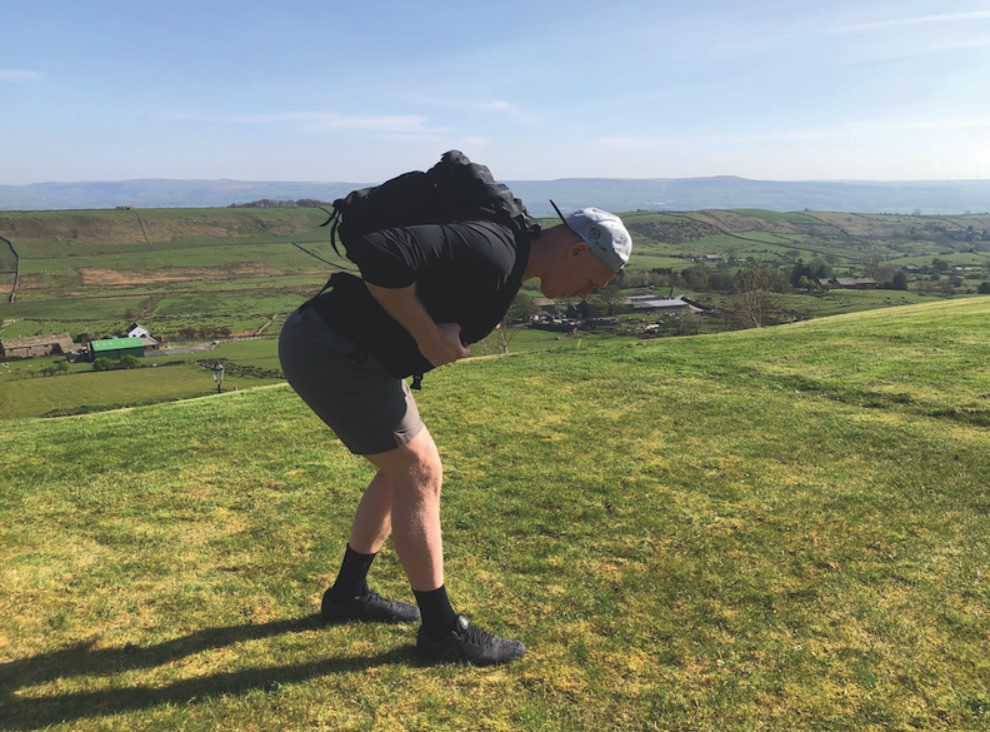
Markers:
point(440, 343)
point(444, 346)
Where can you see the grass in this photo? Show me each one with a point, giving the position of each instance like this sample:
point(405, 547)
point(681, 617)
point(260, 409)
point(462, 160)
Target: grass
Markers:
point(87, 271)
point(838, 302)
point(82, 390)
point(97, 271)
point(87, 390)
point(765, 530)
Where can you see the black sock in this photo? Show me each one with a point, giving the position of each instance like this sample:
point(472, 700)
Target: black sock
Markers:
point(352, 580)
point(438, 615)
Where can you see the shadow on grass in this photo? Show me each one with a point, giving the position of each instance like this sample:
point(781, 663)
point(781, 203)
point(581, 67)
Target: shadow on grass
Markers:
point(19, 712)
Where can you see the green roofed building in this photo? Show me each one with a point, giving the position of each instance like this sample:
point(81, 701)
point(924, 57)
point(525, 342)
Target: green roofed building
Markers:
point(115, 348)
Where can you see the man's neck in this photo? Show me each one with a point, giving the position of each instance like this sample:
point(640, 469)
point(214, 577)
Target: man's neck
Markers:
point(538, 250)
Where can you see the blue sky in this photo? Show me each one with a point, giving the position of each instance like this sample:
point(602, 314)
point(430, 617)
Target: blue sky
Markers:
point(335, 91)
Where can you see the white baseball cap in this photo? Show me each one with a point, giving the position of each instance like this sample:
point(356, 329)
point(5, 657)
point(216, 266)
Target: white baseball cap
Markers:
point(603, 232)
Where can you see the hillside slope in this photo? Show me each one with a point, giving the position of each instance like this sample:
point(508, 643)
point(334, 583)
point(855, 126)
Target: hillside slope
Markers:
point(774, 529)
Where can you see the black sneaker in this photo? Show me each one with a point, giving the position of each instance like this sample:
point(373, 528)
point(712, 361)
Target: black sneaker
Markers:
point(469, 644)
point(372, 608)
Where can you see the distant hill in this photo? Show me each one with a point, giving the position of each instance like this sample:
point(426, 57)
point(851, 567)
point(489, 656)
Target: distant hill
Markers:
point(619, 194)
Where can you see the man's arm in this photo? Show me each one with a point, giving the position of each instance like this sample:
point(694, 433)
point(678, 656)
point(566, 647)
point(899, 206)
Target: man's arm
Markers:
point(440, 343)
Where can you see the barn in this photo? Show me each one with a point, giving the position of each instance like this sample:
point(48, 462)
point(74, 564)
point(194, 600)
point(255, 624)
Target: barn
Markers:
point(35, 346)
point(115, 348)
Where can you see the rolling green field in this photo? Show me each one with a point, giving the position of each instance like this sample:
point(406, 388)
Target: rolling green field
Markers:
point(199, 275)
point(96, 271)
point(774, 529)
point(91, 391)
point(82, 390)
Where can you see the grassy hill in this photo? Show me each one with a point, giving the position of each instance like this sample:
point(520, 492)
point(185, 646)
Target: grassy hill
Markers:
point(774, 529)
point(87, 271)
point(175, 269)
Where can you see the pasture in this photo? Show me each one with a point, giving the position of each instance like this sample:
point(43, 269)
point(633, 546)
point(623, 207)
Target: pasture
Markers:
point(199, 275)
point(776, 529)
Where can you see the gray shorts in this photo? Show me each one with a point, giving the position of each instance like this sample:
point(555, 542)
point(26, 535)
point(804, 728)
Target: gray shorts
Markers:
point(349, 389)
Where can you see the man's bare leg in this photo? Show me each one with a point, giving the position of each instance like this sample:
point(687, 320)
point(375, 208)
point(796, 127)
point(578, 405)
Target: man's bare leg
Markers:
point(414, 474)
point(373, 519)
point(404, 497)
point(405, 494)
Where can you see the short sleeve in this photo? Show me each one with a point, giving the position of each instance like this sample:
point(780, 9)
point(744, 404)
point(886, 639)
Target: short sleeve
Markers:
point(386, 258)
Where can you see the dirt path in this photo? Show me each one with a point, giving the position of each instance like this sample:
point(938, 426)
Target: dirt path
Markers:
point(265, 327)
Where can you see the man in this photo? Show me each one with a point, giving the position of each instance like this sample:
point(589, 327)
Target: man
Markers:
point(427, 292)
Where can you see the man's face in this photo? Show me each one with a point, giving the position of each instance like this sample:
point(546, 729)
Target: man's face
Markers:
point(579, 273)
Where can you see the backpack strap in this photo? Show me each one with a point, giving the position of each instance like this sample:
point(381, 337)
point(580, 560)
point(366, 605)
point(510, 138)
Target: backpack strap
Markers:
point(336, 278)
point(332, 221)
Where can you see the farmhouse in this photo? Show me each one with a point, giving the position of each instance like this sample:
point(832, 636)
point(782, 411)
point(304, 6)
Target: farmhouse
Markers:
point(545, 305)
point(850, 283)
point(660, 305)
point(136, 331)
point(35, 346)
point(115, 348)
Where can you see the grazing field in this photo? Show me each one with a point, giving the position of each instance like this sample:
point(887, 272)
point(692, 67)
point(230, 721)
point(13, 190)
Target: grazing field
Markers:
point(774, 529)
point(201, 275)
point(95, 271)
point(92, 391)
point(90, 271)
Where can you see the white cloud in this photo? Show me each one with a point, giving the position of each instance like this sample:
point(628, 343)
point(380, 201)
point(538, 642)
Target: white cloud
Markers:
point(919, 20)
point(865, 127)
point(399, 125)
point(627, 143)
point(19, 75)
point(483, 106)
point(497, 105)
point(403, 124)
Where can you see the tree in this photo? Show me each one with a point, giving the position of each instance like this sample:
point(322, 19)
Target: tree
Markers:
point(55, 369)
point(721, 282)
point(984, 288)
point(611, 296)
point(899, 281)
point(496, 342)
point(752, 303)
point(695, 277)
point(522, 308)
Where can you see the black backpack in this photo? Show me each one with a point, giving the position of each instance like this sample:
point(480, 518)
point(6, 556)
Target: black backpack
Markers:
point(455, 189)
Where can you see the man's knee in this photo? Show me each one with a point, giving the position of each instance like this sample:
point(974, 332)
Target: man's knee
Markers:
point(425, 468)
point(427, 475)
point(413, 467)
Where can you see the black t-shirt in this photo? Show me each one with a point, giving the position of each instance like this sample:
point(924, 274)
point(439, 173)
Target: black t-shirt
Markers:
point(465, 273)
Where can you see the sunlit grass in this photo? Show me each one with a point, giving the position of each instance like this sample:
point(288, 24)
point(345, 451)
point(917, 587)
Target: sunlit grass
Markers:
point(733, 532)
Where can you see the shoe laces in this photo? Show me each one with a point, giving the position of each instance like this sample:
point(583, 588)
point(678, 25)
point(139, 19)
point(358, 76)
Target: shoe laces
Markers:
point(476, 636)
